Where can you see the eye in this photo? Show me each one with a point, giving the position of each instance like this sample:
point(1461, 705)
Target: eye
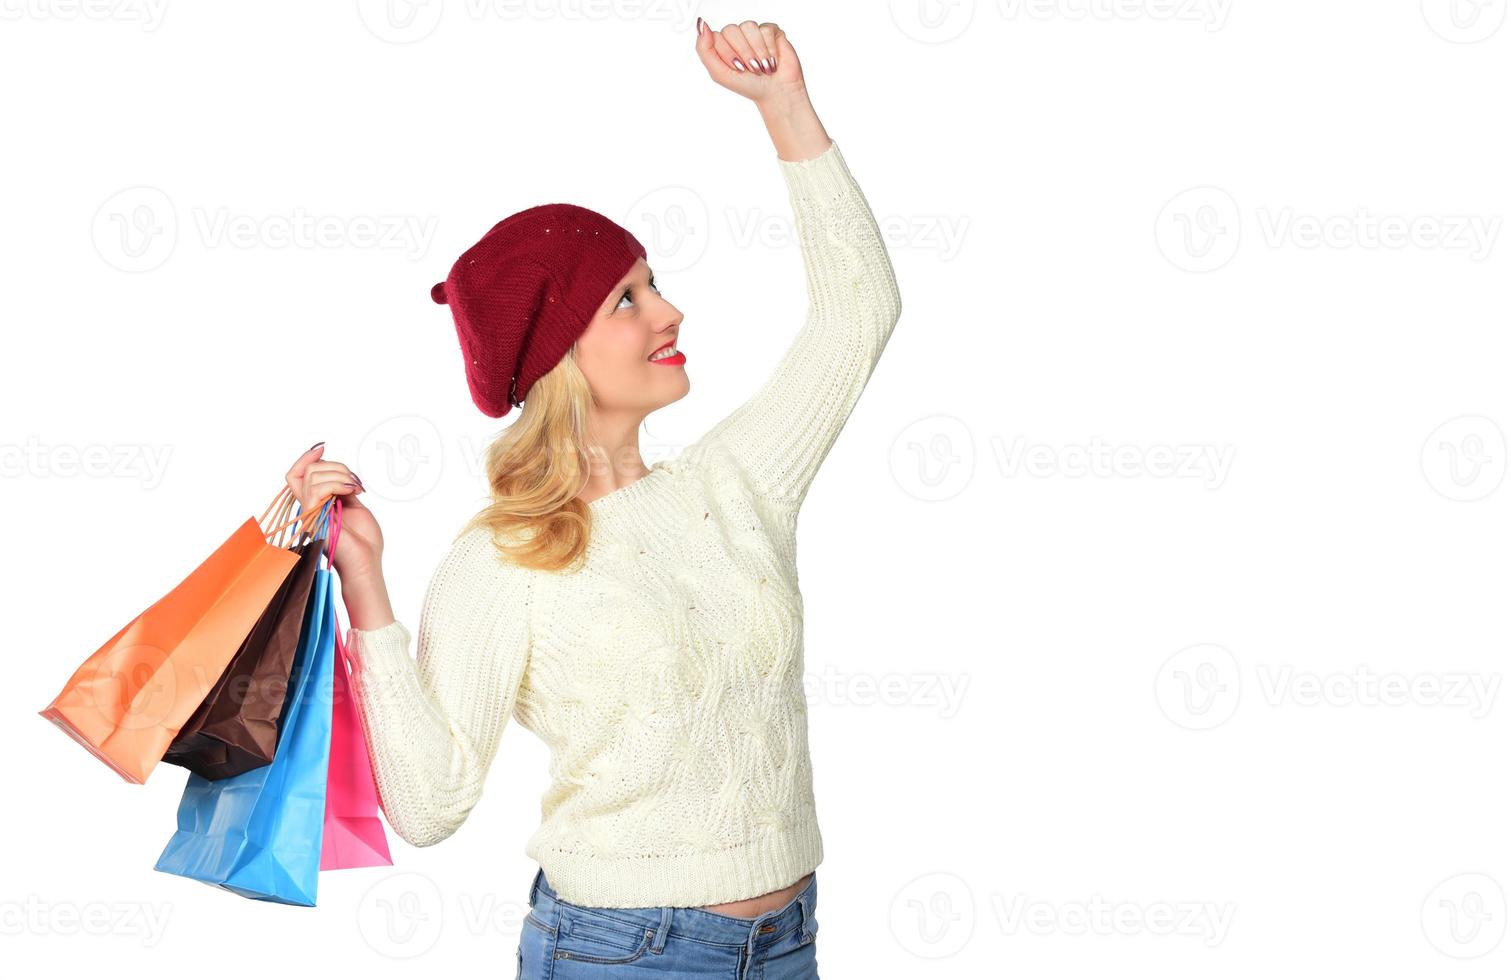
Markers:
point(626, 296)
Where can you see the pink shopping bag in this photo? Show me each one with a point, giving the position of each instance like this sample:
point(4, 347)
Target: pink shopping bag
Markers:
point(354, 835)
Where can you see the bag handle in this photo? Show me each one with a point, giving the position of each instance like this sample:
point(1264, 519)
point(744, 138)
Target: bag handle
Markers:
point(318, 523)
point(343, 659)
point(282, 503)
point(308, 523)
point(333, 531)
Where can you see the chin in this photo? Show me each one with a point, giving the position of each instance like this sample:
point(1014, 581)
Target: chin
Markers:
point(679, 391)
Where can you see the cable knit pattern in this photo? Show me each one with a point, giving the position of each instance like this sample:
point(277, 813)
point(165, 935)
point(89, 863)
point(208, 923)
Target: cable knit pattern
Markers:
point(666, 674)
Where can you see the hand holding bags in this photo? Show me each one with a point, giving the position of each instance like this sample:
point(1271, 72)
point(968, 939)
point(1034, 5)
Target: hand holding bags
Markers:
point(129, 699)
point(260, 833)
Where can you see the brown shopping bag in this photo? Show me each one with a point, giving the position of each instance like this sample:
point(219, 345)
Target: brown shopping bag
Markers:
point(236, 727)
point(127, 701)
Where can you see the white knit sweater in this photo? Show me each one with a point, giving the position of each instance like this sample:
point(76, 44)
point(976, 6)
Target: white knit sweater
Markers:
point(665, 675)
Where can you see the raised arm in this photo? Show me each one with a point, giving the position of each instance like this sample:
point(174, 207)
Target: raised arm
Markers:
point(783, 432)
point(433, 723)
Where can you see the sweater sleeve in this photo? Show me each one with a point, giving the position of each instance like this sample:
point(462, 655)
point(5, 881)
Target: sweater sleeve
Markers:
point(784, 431)
point(433, 722)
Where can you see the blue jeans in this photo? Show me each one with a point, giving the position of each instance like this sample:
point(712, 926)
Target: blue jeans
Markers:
point(562, 941)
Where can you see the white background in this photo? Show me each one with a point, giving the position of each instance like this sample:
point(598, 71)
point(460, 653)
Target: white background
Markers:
point(1148, 591)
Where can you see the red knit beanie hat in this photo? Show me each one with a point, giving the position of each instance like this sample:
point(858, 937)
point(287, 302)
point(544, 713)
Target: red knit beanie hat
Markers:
point(526, 291)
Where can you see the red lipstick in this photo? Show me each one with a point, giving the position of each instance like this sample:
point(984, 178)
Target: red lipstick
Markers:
point(672, 361)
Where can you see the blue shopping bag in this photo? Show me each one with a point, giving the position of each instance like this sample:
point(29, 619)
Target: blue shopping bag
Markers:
point(259, 834)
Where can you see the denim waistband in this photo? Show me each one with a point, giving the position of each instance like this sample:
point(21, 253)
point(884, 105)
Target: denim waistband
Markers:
point(752, 932)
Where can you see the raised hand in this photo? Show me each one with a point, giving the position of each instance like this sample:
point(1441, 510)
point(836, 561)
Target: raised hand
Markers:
point(750, 59)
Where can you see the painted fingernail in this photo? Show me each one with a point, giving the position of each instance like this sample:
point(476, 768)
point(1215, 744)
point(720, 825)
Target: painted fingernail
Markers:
point(320, 443)
point(768, 65)
point(738, 66)
point(700, 26)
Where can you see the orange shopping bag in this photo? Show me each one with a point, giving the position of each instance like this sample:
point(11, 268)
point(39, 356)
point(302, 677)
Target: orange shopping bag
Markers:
point(127, 702)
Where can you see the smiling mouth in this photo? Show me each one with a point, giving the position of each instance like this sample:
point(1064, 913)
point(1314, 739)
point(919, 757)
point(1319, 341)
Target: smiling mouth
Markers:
point(667, 354)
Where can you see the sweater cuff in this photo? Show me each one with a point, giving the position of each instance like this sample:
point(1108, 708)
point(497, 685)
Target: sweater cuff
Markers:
point(818, 180)
point(381, 651)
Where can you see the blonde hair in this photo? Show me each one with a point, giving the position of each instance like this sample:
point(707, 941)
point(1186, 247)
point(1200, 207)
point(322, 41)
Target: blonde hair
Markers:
point(535, 470)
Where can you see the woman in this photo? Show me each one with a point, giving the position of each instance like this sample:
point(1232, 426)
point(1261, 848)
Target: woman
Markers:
point(644, 622)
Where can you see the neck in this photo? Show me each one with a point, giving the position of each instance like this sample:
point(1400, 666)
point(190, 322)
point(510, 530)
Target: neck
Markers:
point(613, 455)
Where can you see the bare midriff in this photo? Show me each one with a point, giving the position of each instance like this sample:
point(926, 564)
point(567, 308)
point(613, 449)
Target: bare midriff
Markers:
point(749, 908)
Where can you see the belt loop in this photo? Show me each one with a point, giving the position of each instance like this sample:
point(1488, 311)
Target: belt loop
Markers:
point(808, 902)
point(659, 942)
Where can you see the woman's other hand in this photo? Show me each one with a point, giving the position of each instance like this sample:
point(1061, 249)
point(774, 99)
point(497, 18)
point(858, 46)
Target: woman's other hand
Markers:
point(359, 551)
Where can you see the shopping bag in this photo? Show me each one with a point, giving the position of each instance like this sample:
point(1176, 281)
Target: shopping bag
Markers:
point(128, 700)
point(259, 834)
point(236, 727)
point(354, 836)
